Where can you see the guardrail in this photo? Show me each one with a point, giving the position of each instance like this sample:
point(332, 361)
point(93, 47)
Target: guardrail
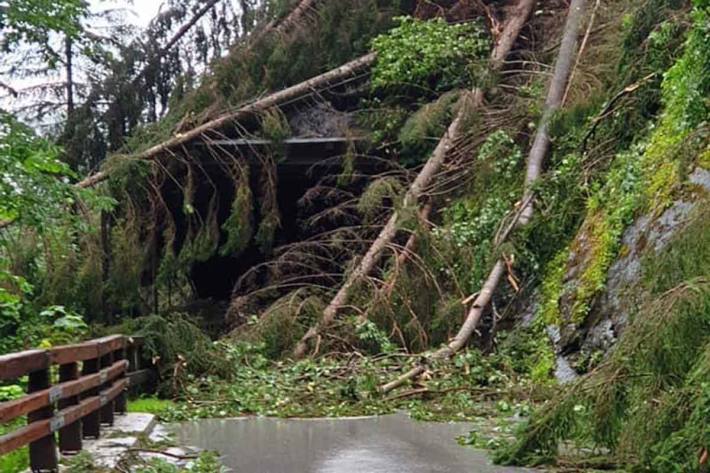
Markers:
point(92, 379)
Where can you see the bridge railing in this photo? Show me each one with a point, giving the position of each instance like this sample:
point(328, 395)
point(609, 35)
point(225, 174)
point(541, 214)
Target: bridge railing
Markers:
point(72, 391)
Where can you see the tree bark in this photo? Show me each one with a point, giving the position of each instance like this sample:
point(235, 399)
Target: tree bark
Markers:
point(69, 68)
point(538, 150)
point(555, 94)
point(285, 24)
point(422, 181)
point(272, 100)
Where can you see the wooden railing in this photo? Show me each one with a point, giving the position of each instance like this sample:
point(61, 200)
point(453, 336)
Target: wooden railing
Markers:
point(91, 383)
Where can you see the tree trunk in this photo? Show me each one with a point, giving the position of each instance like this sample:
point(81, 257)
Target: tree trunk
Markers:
point(285, 24)
point(175, 39)
point(536, 157)
point(422, 181)
point(69, 68)
point(386, 289)
point(272, 100)
point(555, 94)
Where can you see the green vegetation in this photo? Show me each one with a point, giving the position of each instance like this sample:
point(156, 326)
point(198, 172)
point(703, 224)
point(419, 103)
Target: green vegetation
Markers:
point(129, 256)
point(608, 408)
point(431, 55)
point(662, 355)
point(470, 388)
point(150, 405)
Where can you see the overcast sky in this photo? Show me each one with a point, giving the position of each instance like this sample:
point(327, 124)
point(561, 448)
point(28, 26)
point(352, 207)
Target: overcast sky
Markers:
point(145, 10)
point(141, 12)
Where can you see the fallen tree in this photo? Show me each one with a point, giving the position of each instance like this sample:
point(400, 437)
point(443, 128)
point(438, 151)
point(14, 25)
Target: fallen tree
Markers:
point(273, 100)
point(538, 150)
point(276, 27)
point(468, 102)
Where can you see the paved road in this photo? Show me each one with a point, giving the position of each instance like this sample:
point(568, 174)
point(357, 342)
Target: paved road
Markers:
point(387, 444)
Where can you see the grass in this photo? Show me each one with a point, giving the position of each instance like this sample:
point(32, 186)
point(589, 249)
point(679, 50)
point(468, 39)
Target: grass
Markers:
point(19, 459)
point(15, 462)
point(150, 405)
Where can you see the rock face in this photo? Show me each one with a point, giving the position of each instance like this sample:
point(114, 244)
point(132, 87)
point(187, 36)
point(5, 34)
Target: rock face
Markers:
point(611, 310)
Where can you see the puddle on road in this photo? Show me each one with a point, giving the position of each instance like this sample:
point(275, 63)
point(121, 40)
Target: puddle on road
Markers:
point(386, 444)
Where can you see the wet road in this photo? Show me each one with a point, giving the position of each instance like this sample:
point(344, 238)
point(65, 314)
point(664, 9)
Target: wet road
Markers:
point(387, 444)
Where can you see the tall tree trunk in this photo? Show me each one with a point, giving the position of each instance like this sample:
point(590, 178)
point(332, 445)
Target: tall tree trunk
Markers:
point(538, 150)
point(473, 99)
point(69, 68)
point(272, 100)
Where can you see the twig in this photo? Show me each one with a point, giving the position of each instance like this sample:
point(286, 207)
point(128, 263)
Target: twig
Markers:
point(581, 51)
point(158, 452)
point(608, 108)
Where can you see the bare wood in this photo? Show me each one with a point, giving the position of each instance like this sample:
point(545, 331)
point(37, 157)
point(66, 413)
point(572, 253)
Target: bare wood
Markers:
point(87, 350)
point(110, 344)
point(537, 154)
point(15, 365)
point(470, 100)
point(42, 451)
point(71, 353)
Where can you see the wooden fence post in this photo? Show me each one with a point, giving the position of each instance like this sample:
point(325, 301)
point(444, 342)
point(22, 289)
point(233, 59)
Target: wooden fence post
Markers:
point(106, 406)
point(120, 403)
point(43, 452)
point(70, 435)
point(92, 421)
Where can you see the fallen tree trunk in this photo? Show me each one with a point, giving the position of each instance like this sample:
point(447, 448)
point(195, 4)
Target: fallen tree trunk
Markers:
point(275, 27)
point(272, 100)
point(538, 150)
point(291, 20)
point(385, 291)
point(472, 99)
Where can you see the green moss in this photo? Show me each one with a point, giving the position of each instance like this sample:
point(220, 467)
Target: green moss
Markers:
point(647, 178)
point(552, 286)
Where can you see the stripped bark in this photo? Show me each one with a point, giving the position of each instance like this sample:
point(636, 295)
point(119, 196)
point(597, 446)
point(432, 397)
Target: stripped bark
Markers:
point(273, 100)
point(538, 150)
point(473, 99)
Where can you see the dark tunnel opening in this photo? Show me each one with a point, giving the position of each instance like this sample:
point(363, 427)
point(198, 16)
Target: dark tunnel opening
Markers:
point(216, 277)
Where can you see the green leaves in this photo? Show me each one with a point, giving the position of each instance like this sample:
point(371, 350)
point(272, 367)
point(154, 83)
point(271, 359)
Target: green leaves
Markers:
point(34, 20)
point(427, 54)
point(32, 179)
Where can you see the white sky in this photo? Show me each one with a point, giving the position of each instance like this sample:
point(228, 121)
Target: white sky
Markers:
point(145, 10)
point(139, 13)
